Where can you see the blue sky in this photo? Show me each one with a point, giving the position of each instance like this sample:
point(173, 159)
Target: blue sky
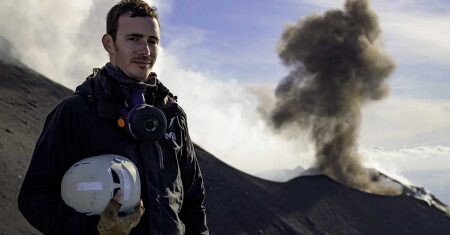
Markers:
point(237, 39)
point(230, 39)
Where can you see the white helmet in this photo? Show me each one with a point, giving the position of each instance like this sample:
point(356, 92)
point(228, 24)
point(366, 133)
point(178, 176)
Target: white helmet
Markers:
point(90, 183)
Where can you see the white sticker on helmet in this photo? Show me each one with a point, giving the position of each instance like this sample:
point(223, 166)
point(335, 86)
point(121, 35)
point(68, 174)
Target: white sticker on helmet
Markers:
point(126, 180)
point(89, 186)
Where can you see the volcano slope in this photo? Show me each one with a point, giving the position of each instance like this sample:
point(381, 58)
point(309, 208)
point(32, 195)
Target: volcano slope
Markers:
point(237, 203)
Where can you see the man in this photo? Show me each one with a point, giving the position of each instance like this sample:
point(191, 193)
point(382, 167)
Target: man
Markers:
point(86, 125)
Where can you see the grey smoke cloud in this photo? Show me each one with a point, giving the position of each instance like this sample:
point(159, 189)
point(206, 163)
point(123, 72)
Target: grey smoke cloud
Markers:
point(337, 66)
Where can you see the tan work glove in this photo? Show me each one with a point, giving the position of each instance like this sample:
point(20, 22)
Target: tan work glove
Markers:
point(111, 224)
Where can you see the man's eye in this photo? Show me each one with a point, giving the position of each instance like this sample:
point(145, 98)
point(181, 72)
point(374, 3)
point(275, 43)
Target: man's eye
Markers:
point(133, 39)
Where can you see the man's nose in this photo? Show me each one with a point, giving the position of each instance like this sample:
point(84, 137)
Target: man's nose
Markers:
point(145, 49)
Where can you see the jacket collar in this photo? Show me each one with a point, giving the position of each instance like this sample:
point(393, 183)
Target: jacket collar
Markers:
point(110, 95)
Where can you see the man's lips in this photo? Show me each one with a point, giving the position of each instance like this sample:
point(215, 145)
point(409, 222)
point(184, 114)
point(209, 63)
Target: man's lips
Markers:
point(142, 63)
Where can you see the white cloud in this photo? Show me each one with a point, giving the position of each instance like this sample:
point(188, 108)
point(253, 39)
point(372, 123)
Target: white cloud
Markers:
point(404, 122)
point(422, 158)
point(44, 32)
point(417, 36)
point(164, 6)
point(223, 118)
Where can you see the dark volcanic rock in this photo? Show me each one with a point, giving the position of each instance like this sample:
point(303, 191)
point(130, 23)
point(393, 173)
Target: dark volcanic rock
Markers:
point(25, 99)
point(237, 203)
point(336, 209)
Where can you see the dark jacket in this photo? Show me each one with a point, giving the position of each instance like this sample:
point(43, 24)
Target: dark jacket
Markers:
point(84, 125)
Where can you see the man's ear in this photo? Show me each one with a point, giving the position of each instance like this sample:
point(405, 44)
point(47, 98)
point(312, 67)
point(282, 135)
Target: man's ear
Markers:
point(108, 43)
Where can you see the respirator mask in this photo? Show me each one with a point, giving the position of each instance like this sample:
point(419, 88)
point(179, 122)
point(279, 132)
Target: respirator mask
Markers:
point(142, 121)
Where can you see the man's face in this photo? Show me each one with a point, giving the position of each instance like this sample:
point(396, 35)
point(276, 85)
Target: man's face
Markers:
point(136, 46)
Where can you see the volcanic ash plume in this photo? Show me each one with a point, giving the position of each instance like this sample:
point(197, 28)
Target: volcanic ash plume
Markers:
point(337, 67)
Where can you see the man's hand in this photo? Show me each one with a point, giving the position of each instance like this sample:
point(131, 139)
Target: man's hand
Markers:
point(110, 222)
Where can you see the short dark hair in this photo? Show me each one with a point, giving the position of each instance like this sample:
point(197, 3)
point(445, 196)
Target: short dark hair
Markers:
point(136, 8)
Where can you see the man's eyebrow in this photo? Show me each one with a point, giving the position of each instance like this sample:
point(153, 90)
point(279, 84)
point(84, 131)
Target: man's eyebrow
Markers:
point(138, 35)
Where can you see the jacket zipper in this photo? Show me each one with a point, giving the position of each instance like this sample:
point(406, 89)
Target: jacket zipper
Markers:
point(158, 197)
point(160, 155)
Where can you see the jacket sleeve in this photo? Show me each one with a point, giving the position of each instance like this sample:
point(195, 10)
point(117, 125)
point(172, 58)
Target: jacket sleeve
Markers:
point(193, 212)
point(40, 196)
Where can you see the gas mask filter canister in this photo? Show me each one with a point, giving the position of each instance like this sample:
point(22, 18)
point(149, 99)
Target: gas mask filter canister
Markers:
point(142, 121)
